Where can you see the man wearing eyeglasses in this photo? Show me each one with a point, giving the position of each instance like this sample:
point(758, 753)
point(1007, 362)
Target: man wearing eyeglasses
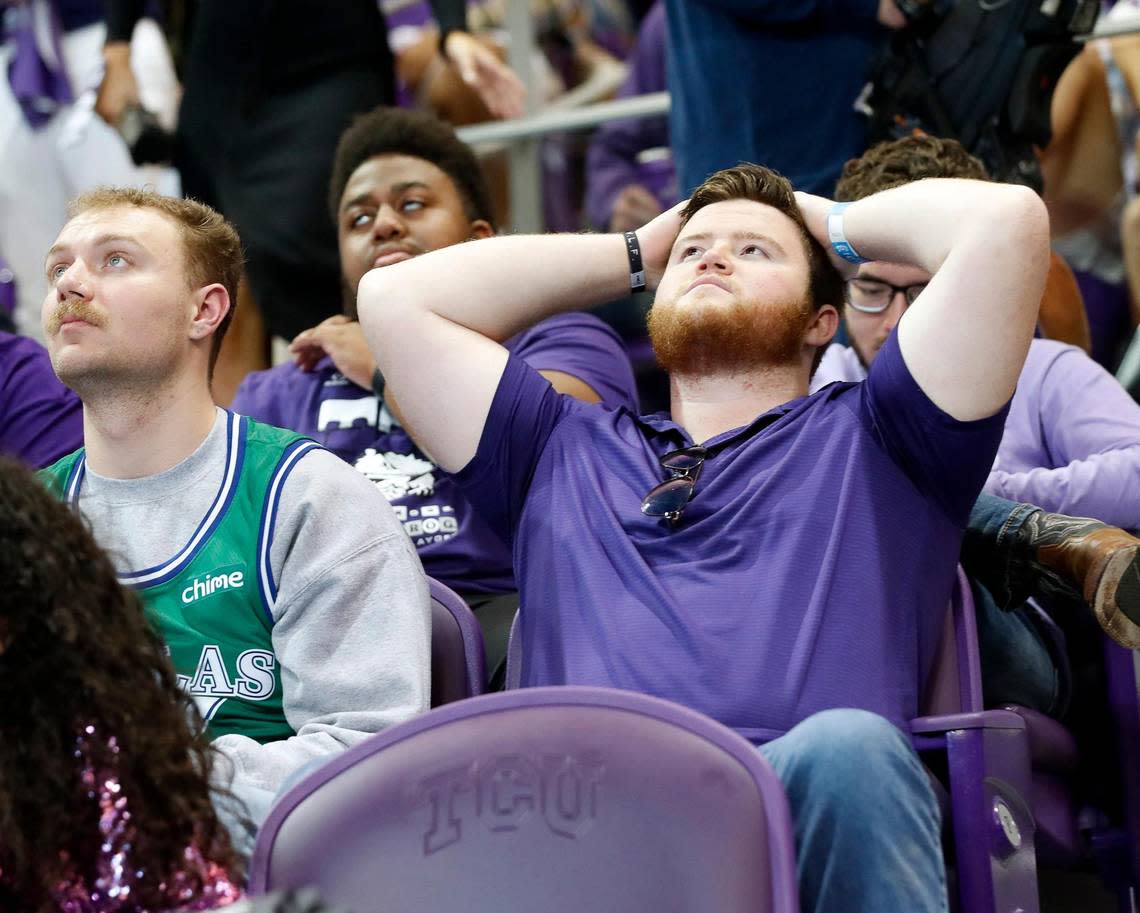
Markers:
point(1072, 439)
point(1071, 445)
point(686, 554)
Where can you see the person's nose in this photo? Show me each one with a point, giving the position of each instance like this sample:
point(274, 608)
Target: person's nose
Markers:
point(72, 282)
point(715, 259)
point(388, 224)
point(893, 314)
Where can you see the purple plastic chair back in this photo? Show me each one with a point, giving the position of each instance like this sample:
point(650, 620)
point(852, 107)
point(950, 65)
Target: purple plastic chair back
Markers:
point(955, 681)
point(563, 800)
point(986, 758)
point(458, 666)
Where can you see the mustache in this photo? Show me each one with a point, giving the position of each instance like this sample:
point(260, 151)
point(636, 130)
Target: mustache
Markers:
point(73, 307)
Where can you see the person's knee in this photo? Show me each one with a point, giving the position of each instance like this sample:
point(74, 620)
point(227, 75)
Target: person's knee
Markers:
point(849, 731)
point(848, 752)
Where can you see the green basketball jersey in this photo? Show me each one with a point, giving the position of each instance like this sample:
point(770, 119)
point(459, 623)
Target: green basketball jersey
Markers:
point(212, 602)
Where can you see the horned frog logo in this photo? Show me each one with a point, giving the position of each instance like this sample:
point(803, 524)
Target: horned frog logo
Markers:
point(398, 474)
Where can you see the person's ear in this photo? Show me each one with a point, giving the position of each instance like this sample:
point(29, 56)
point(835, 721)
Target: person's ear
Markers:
point(212, 303)
point(480, 228)
point(823, 326)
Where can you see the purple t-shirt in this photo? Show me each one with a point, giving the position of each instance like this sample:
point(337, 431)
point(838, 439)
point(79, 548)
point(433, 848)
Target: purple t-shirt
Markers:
point(811, 570)
point(454, 544)
point(41, 420)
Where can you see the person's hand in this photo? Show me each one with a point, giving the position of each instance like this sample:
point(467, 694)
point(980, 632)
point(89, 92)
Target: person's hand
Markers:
point(340, 339)
point(496, 83)
point(119, 89)
point(656, 240)
point(633, 207)
point(814, 210)
point(890, 15)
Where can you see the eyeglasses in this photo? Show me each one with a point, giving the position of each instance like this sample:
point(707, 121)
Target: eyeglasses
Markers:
point(668, 499)
point(873, 296)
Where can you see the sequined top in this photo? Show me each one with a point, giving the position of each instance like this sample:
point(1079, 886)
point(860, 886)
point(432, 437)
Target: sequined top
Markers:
point(200, 885)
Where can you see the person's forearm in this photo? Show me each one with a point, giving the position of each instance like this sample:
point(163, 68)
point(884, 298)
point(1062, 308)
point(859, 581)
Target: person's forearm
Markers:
point(922, 223)
point(986, 248)
point(498, 286)
point(1105, 486)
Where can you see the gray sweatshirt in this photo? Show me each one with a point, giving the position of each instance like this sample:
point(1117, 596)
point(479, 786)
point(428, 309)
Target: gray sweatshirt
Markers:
point(352, 619)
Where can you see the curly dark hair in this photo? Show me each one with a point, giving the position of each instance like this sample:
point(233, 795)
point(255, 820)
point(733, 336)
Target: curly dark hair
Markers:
point(77, 651)
point(395, 131)
point(763, 185)
point(903, 161)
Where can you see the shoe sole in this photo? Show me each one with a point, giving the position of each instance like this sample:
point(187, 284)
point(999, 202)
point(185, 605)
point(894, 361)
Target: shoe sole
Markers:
point(1116, 600)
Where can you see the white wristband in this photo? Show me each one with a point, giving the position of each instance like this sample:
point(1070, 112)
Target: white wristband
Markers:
point(836, 236)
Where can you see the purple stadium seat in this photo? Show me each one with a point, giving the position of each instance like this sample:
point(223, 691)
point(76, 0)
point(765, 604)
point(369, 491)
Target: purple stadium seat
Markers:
point(458, 667)
point(563, 800)
point(987, 763)
point(1010, 773)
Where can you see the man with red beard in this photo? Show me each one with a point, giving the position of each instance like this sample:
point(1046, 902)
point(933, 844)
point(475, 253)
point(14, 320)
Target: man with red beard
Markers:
point(686, 554)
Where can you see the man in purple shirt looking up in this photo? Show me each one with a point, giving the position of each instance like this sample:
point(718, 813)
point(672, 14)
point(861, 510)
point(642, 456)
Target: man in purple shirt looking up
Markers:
point(1071, 441)
point(404, 184)
point(685, 554)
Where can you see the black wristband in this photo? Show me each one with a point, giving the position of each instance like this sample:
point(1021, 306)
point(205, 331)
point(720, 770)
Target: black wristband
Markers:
point(636, 268)
point(378, 383)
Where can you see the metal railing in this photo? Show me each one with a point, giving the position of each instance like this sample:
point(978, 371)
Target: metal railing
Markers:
point(521, 135)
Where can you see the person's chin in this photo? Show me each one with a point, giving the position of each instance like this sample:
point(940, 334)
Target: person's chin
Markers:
point(72, 369)
point(708, 291)
point(865, 356)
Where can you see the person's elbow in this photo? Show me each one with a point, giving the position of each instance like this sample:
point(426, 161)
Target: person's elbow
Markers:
point(1018, 216)
point(383, 302)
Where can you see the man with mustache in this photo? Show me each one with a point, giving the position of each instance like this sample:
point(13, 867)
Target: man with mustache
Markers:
point(294, 608)
point(404, 184)
point(686, 554)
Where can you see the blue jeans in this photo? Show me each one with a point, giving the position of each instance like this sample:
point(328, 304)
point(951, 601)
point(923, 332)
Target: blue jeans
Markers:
point(866, 820)
point(1018, 666)
point(987, 552)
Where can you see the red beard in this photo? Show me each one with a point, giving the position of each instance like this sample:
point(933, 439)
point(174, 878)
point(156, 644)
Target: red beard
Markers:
point(698, 339)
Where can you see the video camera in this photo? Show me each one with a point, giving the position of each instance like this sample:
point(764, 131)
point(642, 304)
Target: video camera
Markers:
point(979, 71)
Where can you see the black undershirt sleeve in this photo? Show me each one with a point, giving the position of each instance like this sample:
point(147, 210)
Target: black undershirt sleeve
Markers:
point(451, 16)
point(121, 16)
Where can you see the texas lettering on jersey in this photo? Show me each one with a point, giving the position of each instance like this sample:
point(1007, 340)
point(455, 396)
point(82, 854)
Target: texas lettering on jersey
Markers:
point(211, 684)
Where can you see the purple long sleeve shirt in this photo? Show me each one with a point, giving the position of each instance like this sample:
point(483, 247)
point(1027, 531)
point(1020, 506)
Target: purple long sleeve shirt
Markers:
point(611, 161)
point(40, 419)
point(1071, 441)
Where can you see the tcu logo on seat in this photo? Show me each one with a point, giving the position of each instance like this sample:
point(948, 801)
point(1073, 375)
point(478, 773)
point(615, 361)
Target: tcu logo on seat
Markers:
point(505, 792)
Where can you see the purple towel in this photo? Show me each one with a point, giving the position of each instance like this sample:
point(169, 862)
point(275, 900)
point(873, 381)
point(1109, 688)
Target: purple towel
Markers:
point(35, 71)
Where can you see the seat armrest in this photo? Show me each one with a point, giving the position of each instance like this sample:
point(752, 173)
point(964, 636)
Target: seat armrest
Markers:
point(985, 719)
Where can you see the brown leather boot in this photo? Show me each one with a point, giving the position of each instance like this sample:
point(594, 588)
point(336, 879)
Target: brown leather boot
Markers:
point(1101, 562)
